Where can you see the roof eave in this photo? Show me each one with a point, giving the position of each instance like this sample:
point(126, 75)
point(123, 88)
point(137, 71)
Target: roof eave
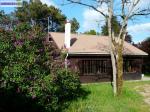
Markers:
point(106, 54)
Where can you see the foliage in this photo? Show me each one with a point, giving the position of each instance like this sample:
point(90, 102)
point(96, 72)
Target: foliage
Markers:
point(6, 20)
point(22, 28)
point(75, 25)
point(101, 99)
point(38, 13)
point(145, 46)
point(91, 32)
point(35, 1)
point(128, 38)
point(63, 86)
point(28, 66)
point(116, 27)
point(3, 17)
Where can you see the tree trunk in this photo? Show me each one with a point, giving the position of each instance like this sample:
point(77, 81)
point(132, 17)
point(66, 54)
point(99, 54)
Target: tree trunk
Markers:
point(114, 70)
point(119, 64)
point(113, 60)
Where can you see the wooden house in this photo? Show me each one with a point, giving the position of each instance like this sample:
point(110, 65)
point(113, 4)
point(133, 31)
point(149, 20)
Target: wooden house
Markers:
point(89, 55)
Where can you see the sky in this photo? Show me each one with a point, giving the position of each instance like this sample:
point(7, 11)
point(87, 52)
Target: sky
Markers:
point(90, 19)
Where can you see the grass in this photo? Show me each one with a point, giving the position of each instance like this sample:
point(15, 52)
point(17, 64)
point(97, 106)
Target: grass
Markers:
point(101, 99)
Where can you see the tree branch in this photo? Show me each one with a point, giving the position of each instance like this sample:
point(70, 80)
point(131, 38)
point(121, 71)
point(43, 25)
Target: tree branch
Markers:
point(91, 6)
point(143, 12)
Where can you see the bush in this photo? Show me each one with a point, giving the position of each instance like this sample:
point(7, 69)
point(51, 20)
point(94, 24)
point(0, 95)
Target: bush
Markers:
point(27, 66)
point(61, 87)
point(66, 83)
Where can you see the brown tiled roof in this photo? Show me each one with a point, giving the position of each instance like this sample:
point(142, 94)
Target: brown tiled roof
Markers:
point(92, 44)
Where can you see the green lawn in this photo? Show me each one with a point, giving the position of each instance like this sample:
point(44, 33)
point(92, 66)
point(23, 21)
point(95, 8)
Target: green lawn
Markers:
point(101, 99)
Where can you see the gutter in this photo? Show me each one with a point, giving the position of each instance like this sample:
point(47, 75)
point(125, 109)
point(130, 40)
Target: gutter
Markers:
point(87, 53)
point(105, 54)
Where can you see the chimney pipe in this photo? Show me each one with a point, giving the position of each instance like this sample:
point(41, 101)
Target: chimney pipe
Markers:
point(67, 34)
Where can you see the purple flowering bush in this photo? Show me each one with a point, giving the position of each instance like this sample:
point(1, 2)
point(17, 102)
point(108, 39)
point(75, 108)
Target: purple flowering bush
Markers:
point(28, 67)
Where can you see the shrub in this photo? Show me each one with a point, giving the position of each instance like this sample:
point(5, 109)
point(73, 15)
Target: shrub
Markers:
point(66, 83)
point(61, 87)
point(27, 66)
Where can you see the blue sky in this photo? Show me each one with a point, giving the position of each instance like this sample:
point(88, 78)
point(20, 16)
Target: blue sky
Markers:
point(89, 19)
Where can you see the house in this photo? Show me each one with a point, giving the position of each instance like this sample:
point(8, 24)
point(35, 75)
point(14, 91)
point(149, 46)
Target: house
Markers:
point(89, 55)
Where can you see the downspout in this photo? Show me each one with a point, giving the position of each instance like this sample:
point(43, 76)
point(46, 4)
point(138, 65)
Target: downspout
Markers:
point(66, 60)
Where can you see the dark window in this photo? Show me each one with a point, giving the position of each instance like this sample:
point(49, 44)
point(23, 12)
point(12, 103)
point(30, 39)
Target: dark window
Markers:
point(131, 66)
point(93, 67)
point(50, 39)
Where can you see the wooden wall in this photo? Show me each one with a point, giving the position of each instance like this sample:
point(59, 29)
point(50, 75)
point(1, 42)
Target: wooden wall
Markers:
point(133, 73)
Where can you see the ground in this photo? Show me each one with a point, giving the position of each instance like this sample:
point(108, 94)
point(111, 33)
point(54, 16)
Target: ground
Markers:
point(135, 98)
point(146, 78)
point(144, 90)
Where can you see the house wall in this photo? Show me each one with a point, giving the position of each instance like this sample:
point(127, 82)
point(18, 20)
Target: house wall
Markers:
point(133, 71)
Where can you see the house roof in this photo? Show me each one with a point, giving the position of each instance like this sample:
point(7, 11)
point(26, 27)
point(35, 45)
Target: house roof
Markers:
point(92, 44)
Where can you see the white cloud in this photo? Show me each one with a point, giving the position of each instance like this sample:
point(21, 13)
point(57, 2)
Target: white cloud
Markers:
point(93, 19)
point(139, 31)
point(49, 2)
point(145, 27)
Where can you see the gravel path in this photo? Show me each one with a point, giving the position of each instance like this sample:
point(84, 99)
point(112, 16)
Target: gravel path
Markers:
point(144, 90)
point(146, 78)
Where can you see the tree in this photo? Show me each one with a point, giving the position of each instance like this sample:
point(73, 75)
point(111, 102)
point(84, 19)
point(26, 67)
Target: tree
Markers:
point(38, 13)
point(128, 38)
point(75, 25)
point(35, 1)
point(91, 32)
point(116, 26)
point(128, 10)
point(145, 46)
point(5, 20)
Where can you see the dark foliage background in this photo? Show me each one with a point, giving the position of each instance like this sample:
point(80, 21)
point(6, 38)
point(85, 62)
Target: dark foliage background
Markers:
point(145, 46)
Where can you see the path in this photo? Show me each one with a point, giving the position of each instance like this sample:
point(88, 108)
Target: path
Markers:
point(144, 90)
point(145, 78)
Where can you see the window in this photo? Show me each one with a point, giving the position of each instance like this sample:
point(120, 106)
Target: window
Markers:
point(93, 67)
point(50, 39)
point(131, 66)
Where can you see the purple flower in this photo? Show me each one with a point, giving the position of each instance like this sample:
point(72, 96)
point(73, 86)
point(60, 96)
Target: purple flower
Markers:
point(18, 43)
point(18, 90)
point(41, 50)
point(33, 96)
